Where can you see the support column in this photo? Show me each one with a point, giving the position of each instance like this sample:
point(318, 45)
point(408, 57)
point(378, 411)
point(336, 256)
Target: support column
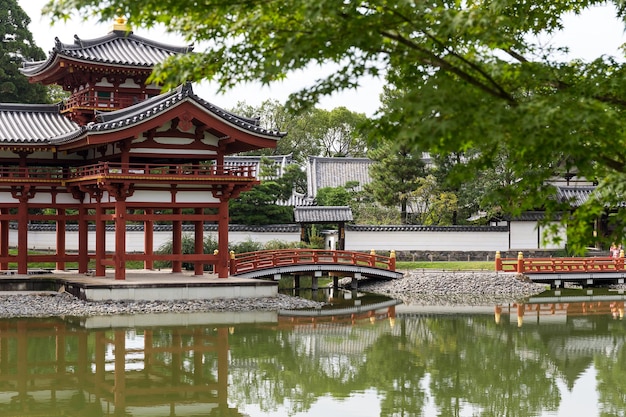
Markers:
point(100, 241)
point(22, 235)
point(120, 238)
point(222, 240)
point(4, 238)
point(119, 381)
point(341, 245)
point(83, 240)
point(60, 232)
point(177, 242)
point(198, 267)
point(148, 238)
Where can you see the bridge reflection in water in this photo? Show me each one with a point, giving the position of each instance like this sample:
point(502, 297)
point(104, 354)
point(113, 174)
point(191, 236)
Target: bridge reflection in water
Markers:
point(67, 367)
point(561, 305)
point(223, 364)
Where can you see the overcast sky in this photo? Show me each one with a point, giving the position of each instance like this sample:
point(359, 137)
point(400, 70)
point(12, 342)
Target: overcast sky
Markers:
point(597, 31)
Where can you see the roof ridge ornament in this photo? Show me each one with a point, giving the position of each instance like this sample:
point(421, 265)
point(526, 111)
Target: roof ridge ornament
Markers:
point(120, 24)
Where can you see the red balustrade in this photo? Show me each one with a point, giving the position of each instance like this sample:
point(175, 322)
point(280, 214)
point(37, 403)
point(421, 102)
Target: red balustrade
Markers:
point(112, 169)
point(559, 265)
point(250, 261)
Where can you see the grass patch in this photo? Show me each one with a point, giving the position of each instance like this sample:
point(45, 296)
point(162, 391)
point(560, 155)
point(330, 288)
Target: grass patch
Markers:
point(448, 265)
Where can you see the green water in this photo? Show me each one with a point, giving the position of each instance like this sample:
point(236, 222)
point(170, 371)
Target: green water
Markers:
point(550, 359)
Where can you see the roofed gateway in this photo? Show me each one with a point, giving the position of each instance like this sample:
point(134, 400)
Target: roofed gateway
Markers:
point(117, 152)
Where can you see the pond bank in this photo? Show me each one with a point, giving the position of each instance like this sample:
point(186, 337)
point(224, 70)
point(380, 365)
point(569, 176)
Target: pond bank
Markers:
point(417, 287)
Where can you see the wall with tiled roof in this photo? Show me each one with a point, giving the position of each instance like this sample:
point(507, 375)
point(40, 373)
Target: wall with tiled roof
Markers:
point(336, 172)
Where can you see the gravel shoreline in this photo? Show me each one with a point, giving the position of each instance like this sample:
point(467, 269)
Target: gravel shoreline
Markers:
point(417, 287)
point(456, 288)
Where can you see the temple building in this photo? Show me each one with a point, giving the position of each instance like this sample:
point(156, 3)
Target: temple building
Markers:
point(119, 152)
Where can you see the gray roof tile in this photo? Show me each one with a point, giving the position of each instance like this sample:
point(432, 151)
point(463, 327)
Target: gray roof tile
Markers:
point(35, 124)
point(336, 172)
point(115, 48)
point(576, 196)
point(422, 228)
point(322, 214)
point(122, 119)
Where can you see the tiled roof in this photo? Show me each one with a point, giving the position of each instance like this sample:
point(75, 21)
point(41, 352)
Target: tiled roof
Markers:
point(71, 227)
point(44, 124)
point(422, 228)
point(122, 119)
point(281, 161)
point(35, 124)
point(322, 214)
point(576, 196)
point(336, 172)
point(116, 48)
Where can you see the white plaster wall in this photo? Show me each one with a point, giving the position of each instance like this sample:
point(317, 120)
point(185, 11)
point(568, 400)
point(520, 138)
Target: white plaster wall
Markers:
point(46, 240)
point(524, 235)
point(426, 240)
point(549, 244)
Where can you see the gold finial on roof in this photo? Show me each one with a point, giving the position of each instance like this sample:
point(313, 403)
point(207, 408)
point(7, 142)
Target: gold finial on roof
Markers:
point(120, 24)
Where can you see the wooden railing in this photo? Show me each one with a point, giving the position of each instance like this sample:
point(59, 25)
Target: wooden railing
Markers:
point(112, 169)
point(93, 102)
point(250, 261)
point(163, 170)
point(559, 265)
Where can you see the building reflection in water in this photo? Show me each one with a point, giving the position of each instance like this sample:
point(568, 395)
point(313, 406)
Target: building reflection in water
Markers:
point(67, 367)
point(555, 305)
point(51, 364)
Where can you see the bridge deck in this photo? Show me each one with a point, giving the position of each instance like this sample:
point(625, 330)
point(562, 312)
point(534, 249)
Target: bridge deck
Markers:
point(313, 262)
point(584, 271)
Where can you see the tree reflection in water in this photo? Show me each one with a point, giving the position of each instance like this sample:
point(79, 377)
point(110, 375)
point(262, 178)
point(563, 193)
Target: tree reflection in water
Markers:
point(426, 364)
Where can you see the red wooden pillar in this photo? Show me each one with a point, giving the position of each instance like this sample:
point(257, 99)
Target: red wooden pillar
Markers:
point(60, 265)
point(83, 241)
point(222, 239)
point(177, 242)
point(22, 233)
point(198, 267)
point(148, 239)
point(100, 241)
point(119, 379)
point(4, 238)
point(120, 238)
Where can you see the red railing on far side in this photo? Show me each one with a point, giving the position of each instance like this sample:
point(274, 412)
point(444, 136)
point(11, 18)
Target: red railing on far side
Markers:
point(559, 265)
point(251, 261)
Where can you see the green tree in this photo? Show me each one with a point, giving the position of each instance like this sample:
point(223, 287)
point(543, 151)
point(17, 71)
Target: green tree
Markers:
point(473, 74)
point(430, 204)
point(299, 141)
point(340, 132)
point(16, 47)
point(395, 174)
point(265, 202)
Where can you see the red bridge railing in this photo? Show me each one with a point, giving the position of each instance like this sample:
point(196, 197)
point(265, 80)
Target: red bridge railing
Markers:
point(559, 265)
point(250, 261)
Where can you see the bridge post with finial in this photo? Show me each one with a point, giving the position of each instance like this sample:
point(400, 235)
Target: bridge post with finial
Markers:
point(498, 261)
point(232, 263)
point(520, 263)
point(392, 260)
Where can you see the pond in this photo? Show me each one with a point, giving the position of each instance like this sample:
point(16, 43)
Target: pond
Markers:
point(559, 354)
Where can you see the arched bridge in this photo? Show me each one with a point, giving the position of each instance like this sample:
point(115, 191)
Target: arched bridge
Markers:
point(269, 263)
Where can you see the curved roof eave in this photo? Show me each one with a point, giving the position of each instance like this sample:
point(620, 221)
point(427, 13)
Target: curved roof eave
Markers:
point(151, 108)
point(35, 124)
point(117, 48)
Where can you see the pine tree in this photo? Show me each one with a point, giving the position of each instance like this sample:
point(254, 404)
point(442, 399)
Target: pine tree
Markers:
point(396, 173)
point(17, 46)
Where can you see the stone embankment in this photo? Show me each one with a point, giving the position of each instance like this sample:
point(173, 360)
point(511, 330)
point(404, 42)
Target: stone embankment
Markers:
point(427, 287)
point(417, 287)
point(64, 304)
